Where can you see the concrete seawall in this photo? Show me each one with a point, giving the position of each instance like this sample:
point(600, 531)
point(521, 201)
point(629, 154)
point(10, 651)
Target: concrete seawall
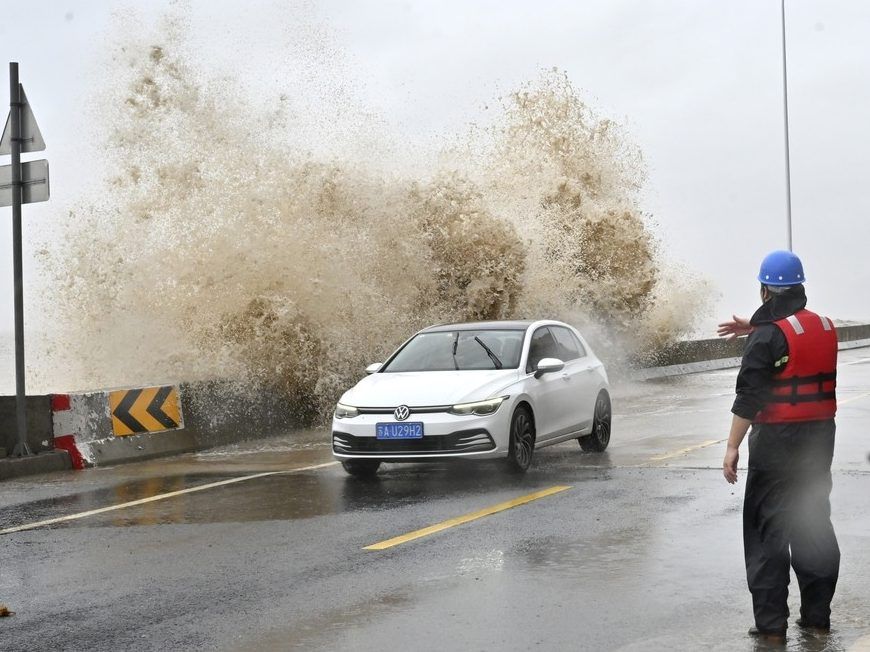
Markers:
point(39, 430)
point(214, 413)
point(706, 355)
point(79, 429)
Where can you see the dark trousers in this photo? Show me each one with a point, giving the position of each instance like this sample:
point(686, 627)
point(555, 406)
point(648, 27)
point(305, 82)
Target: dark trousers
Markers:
point(787, 522)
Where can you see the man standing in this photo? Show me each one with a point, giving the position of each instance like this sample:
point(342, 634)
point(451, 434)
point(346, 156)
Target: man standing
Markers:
point(785, 391)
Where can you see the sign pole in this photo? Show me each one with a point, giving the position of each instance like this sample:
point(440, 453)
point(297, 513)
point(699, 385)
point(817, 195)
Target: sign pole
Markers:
point(21, 448)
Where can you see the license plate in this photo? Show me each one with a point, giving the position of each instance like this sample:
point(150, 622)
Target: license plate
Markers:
point(410, 430)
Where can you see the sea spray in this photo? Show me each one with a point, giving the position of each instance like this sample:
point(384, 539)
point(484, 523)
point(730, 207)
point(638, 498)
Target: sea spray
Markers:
point(218, 254)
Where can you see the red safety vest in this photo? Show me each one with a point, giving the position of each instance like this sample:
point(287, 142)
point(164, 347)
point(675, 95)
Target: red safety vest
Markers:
point(805, 390)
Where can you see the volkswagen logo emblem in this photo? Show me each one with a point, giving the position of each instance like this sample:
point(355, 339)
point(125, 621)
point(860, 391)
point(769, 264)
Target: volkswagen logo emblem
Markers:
point(402, 412)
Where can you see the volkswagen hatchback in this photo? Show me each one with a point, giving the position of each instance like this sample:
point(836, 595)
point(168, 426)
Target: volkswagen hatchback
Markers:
point(481, 390)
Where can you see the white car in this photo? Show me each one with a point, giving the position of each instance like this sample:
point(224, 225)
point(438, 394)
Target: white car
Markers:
point(475, 390)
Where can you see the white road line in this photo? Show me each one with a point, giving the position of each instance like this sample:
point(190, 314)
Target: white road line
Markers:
point(854, 398)
point(151, 499)
point(683, 451)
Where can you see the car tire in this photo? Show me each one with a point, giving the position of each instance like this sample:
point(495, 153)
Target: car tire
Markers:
point(361, 468)
point(522, 441)
point(599, 438)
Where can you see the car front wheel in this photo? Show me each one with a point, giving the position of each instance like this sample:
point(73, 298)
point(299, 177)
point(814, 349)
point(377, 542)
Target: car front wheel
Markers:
point(361, 468)
point(522, 441)
point(599, 438)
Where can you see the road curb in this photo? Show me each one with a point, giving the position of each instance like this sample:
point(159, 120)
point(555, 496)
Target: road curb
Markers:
point(45, 462)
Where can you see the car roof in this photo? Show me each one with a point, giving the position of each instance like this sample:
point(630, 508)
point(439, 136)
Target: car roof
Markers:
point(514, 325)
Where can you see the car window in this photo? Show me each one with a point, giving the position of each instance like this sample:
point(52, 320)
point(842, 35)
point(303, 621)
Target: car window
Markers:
point(474, 349)
point(580, 346)
point(568, 346)
point(542, 345)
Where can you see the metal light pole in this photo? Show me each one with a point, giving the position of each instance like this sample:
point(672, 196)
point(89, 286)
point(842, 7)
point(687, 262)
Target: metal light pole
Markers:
point(785, 109)
point(21, 448)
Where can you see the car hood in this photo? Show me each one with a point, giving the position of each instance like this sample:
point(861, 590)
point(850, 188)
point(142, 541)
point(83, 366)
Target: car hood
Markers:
point(421, 388)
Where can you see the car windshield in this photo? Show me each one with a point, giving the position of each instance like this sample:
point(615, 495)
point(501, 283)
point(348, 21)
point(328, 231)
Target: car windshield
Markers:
point(460, 350)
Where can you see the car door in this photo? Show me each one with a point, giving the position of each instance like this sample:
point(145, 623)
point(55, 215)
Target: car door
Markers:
point(584, 379)
point(551, 392)
point(568, 349)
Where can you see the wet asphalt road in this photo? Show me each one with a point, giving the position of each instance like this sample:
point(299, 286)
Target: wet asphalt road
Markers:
point(642, 552)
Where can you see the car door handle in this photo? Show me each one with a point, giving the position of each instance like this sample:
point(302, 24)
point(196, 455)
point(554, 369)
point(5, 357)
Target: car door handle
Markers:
point(566, 377)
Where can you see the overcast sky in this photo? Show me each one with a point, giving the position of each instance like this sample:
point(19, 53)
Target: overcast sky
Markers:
point(697, 83)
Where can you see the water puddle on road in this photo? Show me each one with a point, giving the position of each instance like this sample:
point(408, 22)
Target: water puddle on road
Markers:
point(85, 501)
point(332, 628)
point(273, 497)
point(278, 496)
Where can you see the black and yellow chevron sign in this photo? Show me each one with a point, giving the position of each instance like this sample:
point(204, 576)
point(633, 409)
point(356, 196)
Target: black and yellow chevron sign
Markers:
point(149, 409)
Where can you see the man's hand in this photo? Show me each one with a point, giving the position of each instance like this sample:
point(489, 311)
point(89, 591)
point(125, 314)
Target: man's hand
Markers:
point(732, 329)
point(729, 465)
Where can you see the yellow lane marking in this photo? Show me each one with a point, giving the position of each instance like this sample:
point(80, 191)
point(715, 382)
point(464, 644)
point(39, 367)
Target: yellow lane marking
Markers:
point(459, 520)
point(683, 451)
point(854, 398)
point(151, 499)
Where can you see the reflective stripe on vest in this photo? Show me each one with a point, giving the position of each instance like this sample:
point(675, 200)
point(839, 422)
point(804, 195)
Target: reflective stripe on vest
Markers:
point(795, 324)
point(805, 390)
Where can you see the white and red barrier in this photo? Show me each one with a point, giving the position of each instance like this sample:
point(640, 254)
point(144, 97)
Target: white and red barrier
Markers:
point(78, 421)
point(84, 425)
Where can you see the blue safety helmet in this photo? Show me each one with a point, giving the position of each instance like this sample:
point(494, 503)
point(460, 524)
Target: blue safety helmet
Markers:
point(781, 268)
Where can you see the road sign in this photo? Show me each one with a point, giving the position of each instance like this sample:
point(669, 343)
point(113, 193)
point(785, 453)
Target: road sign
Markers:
point(150, 409)
point(31, 138)
point(34, 182)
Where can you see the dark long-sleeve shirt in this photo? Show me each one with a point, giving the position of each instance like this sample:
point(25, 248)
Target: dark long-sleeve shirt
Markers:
point(765, 347)
point(765, 353)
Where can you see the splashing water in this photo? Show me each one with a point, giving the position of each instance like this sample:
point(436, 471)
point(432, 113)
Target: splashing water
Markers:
point(219, 254)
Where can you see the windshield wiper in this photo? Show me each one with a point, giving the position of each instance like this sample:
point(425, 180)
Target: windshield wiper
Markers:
point(492, 356)
point(455, 344)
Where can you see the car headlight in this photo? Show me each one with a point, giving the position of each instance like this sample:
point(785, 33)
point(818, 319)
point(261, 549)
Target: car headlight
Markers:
point(479, 408)
point(345, 411)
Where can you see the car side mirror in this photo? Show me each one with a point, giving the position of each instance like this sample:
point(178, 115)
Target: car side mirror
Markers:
point(374, 367)
point(548, 366)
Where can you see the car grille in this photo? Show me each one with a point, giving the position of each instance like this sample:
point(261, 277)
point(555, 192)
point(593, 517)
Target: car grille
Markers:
point(464, 441)
point(418, 409)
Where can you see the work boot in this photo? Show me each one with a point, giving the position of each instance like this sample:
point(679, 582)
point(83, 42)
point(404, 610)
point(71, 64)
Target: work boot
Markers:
point(813, 628)
point(772, 638)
